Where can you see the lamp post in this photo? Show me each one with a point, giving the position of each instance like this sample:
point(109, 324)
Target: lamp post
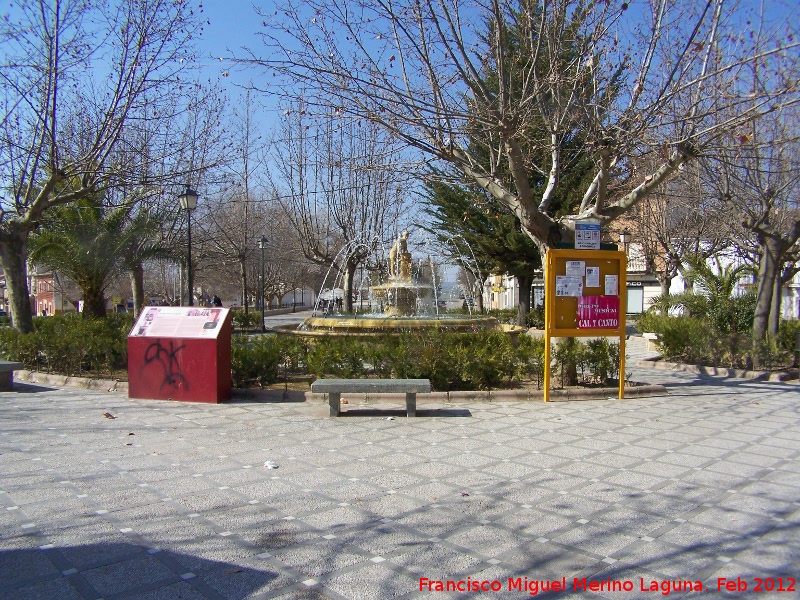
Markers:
point(188, 200)
point(262, 244)
point(625, 240)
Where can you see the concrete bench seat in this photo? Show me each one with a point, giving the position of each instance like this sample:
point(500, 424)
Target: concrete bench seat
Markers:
point(336, 387)
point(7, 369)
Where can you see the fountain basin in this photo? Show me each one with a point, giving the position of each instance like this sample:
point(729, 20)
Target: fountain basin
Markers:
point(359, 326)
point(402, 298)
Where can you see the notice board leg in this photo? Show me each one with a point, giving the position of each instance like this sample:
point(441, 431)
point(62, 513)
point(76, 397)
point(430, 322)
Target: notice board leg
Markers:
point(546, 394)
point(621, 366)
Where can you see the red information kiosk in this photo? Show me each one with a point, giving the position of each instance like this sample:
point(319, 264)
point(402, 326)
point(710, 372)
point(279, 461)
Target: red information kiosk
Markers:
point(180, 353)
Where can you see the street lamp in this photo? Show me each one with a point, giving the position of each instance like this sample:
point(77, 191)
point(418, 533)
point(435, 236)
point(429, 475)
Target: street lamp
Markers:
point(625, 240)
point(188, 200)
point(262, 243)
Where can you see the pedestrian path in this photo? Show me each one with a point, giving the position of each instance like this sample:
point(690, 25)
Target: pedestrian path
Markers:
point(106, 497)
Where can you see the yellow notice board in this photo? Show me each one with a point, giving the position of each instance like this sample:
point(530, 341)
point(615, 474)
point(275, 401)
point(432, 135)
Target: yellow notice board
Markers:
point(585, 296)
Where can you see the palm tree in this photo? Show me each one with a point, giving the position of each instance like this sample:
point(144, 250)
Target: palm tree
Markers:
point(84, 241)
point(143, 241)
point(714, 300)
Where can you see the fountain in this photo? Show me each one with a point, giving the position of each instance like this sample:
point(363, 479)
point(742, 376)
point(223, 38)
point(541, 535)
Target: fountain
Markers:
point(408, 305)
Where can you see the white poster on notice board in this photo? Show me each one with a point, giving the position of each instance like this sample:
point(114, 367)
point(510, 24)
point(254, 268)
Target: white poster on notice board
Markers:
point(569, 286)
point(612, 285)
point(592, 277)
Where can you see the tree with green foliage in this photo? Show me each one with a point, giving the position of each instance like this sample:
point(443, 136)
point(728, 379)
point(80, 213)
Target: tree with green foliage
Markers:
point(488, 225)
point(143, 240)
point(90, 95)
point(459, 216)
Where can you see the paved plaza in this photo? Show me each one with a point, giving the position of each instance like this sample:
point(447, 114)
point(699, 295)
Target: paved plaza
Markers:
point(106, 497)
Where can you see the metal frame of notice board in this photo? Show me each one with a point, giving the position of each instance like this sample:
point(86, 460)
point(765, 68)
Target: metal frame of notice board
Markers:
point(565, 295)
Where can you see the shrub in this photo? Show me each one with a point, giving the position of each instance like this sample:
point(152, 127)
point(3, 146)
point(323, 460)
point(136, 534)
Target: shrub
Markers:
point(530, 359)
point(246, 321)
point(534, 318)
point(787, 334)
point(485, 360)
point(255, 359)
point(428, 355)
point(602, 358)
point(569, 357)
point(337, 357)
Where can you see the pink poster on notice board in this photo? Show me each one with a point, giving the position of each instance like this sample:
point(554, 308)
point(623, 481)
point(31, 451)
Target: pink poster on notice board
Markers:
point(598, 312)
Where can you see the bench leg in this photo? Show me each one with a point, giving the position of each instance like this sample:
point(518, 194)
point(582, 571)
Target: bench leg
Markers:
point(6, 381)
point(334, 399)
point(411, 405)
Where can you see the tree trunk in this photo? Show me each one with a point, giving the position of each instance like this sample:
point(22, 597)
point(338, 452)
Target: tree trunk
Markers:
point(775, 311)
point(13, 260)
point(765, 286)
point(349, 277)
point(524, 307)
point(666, 284)
point(137, 287)
point(243, 276)
point(478, 297)
point(94, 304)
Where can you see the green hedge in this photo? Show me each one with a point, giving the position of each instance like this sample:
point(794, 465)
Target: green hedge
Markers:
point(71, 345)
point(247, 321)
point(452, 361)
point(534, 318)
point(698, 340)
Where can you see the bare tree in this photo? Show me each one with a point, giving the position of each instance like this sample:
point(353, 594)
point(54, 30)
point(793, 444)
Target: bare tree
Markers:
point(237, 221)
point(757, 174)
point(683, 219)
point(436, 74)
point(77, 77)
point(340, 178)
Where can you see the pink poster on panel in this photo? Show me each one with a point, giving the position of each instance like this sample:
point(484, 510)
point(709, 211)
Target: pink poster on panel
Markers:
point(598, 312)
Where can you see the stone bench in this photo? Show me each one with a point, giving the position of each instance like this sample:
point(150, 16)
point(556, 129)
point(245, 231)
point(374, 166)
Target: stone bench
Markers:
point(7, 369)
point(336, 387)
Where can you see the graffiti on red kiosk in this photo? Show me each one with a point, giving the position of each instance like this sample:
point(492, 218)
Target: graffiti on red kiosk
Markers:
point(167, 358)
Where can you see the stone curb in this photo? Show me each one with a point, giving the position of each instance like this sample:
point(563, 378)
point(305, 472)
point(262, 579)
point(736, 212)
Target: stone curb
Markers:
point(657, 363)
point(556, 395)
point(88, 383)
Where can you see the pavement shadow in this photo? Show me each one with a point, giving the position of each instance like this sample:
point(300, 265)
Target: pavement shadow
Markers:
point(110, 569)
point(248, 396)
point(29, 388)
point(401, 412)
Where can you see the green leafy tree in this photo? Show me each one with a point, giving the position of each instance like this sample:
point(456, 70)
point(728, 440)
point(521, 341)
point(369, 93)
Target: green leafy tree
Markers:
point(461, 216)
point(487, 224)
point(142, 240)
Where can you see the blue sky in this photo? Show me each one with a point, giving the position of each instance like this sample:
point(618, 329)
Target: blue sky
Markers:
point(228, 26)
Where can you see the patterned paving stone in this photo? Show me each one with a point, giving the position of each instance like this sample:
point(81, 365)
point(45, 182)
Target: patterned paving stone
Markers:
point(703, 482)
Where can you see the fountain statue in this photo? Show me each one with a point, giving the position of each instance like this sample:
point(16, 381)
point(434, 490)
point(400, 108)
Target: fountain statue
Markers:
point(400, 259)
point(401, 296)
